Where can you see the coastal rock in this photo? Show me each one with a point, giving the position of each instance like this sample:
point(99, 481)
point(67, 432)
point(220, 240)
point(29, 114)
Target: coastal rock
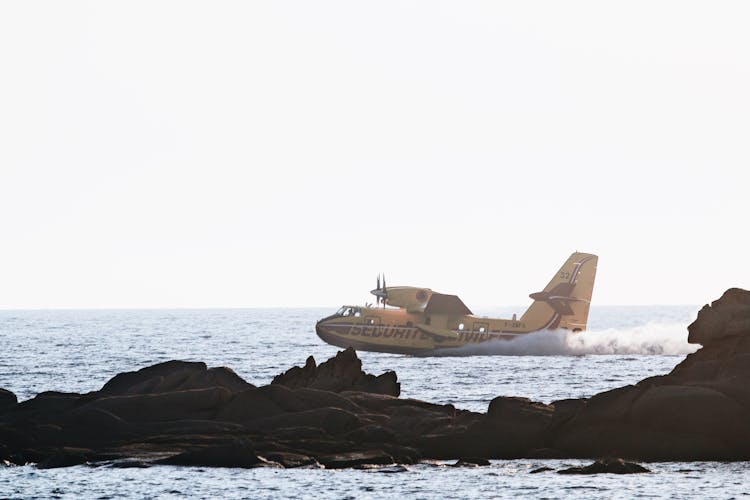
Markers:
point(606, 466)
point(356, 458)
point(7, 400)
point(239, 454)
point(725, 318)
point(65, 457)
point(471, 462)
point(173, 376)
point(696, 412)
point(154, 407)
point(343, 372)
point(337, 415)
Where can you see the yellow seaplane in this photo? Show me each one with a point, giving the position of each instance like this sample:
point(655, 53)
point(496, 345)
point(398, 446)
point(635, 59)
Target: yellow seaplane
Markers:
point(422, 322)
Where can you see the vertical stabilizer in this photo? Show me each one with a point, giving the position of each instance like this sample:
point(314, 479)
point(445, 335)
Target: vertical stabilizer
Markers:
point(565, 301)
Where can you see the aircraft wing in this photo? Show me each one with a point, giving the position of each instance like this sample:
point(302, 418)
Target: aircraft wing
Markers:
point(441, 303)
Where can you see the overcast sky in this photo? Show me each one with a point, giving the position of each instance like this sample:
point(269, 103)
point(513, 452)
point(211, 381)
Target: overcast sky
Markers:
point(281, 153)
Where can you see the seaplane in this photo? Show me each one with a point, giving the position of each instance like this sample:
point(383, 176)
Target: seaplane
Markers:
point(419, 321)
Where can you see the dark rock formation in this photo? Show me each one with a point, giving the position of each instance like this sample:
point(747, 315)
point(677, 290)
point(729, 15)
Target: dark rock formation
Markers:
point(471, 462)
point(7, 400)
point(539, 470)
point(335, 415)
point(606, 466)
point(173, 376)
point(239, 453)
point(696, 412)
point(340, 373)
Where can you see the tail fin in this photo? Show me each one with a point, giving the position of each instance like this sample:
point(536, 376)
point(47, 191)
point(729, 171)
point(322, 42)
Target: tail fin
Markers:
point(565, 301)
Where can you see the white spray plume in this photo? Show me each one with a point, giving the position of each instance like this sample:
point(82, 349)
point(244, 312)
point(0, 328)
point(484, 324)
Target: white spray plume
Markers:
point(648, 339)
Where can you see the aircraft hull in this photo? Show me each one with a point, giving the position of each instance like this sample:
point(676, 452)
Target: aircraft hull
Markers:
point(398, 340)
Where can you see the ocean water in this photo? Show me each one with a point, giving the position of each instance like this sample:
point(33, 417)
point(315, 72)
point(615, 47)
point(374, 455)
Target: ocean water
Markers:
point(80, 350)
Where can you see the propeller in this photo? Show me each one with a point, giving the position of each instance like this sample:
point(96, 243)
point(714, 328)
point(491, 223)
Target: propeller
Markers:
point(380, 292)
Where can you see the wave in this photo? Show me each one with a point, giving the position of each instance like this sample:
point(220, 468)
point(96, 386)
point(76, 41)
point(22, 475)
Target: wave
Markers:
point(650, 339)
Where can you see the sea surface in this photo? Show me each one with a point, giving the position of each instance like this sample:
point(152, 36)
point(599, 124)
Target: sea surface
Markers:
point(79, 350)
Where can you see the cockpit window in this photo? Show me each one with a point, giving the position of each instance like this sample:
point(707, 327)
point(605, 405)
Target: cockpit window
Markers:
point(349, 311)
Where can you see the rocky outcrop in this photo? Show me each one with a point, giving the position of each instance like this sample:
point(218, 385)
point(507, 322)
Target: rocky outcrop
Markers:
point(183, 413)
point(343, 372)
point(7, 400)
point(697, 412)
point(335, 415)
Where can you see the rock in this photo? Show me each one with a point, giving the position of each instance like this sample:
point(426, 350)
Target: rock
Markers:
point(331, 420)
point(724, 318)
point(49, 406)
point(510, 429)
point(371, 434)
point(393, 469)
point(416, 421)
point(540, 469)
point(292, 460)
point(237, 454)
point(65, 457)
point(677, 408)
point(353, 459)
point(471, 462)
point(191, 404)
point(130, 463)
point(150, 377)
point(249, 405)
point(607, 466)
point(343, 372)
point(173, 376)
point(8, 400)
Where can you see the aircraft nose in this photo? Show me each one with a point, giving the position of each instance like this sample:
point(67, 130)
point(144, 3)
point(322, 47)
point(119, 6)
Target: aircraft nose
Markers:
point(323, 320)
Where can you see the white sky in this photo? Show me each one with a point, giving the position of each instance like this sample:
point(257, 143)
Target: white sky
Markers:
point(280, 153)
